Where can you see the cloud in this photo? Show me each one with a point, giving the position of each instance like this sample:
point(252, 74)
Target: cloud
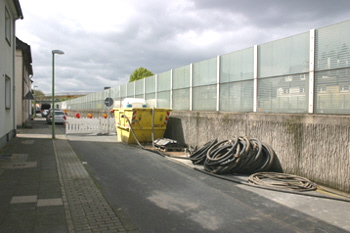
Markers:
point(105, 42)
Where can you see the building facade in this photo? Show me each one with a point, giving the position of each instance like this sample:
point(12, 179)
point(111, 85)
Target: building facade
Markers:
point(11, 10)
point(23, 74)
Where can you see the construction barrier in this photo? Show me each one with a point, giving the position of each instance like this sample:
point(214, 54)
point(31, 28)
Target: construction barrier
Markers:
point(90, 125)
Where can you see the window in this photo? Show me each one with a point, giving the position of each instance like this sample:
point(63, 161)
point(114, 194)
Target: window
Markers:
point(285, 90)
point(8, 26)
point(288, 78)
point(322, 89)
point(344, 88)
point(7, 92)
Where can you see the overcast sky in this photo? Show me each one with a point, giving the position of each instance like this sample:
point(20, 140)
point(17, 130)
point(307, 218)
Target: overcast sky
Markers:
point(105, 41)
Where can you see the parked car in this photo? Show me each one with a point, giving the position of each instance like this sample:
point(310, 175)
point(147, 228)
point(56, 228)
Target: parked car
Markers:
point(60, 117)
point(45, 112)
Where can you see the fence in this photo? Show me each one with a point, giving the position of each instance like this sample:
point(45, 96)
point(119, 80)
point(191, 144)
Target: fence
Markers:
point(90, 125)
point(305, 73)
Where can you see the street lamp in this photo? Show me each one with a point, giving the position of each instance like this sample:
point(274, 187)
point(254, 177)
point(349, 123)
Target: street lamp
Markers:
point(53, 89)
point(34, 113)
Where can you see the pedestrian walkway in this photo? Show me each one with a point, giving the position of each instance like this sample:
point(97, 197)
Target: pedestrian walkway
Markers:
point(45, 188)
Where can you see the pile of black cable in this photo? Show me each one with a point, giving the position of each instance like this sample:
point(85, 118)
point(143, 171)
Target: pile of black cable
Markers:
point(198, 157)
point(237, 155)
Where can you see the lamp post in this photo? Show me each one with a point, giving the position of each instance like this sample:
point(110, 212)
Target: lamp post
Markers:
point(53, 89)
point(34, 108)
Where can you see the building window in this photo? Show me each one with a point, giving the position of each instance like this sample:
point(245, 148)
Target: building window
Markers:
point(285, 90)
point(344, 88)
point(322, 89)
point(288, 78)
point(8, 26)
point(7, 92)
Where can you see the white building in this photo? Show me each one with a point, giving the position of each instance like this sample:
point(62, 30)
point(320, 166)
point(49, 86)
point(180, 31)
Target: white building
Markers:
point(23, 83)
point(10, 11)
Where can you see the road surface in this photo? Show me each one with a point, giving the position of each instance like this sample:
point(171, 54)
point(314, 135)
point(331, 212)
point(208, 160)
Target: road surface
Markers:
point(154, 194)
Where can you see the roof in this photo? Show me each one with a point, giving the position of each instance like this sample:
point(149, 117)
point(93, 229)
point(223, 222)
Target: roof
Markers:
point(18, 9)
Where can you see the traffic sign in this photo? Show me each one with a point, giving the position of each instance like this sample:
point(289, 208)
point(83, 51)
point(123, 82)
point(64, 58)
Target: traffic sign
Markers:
point(109, 102)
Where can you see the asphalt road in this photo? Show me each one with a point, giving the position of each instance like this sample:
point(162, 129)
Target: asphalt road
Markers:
point(153, 194)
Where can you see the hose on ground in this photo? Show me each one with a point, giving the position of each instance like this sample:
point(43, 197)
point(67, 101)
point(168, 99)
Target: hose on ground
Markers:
point(199, 156)
point(132, 131)
point(293, 191)
point(238, 155)
point(282, 181)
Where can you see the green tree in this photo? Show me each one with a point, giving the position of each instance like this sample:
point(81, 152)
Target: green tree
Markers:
point(140, 73)
point(38, 93)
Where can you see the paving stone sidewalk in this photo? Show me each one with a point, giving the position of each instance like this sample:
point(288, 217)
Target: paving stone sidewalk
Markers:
point(45, 188)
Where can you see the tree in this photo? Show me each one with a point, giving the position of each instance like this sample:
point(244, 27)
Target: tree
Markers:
point(140, 73)
point(38, 93)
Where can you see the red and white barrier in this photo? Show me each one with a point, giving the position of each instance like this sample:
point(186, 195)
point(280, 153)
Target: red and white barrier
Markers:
point(90, 125)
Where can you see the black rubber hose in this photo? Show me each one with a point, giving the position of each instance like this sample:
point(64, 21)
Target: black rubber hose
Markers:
point(269, 154)
point(132, 131)
point(221, 157)
point(243, 155)
point(239, 155)
point(198, 157)
point(246, 157)
point(256, 155)
point(219, 152)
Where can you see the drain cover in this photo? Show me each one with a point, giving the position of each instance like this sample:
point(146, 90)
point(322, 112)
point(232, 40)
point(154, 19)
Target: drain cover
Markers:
point(5, 156)
point(19, 165)
point(28, 142)
point(19, 158)
point(14, 157)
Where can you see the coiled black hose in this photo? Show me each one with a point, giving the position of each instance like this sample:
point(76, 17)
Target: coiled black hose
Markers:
point(199, 156)
point(238, 155)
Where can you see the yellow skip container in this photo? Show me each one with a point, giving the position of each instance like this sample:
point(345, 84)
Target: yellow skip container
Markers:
point(141, 121)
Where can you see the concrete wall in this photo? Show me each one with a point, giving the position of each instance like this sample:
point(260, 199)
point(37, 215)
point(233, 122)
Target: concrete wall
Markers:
point(313, 146)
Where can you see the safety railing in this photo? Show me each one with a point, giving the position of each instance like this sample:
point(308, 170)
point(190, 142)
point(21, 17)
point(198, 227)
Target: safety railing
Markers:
point(305, 73)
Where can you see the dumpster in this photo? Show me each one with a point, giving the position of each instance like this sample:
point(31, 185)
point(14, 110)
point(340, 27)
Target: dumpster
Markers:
point(142, 121)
